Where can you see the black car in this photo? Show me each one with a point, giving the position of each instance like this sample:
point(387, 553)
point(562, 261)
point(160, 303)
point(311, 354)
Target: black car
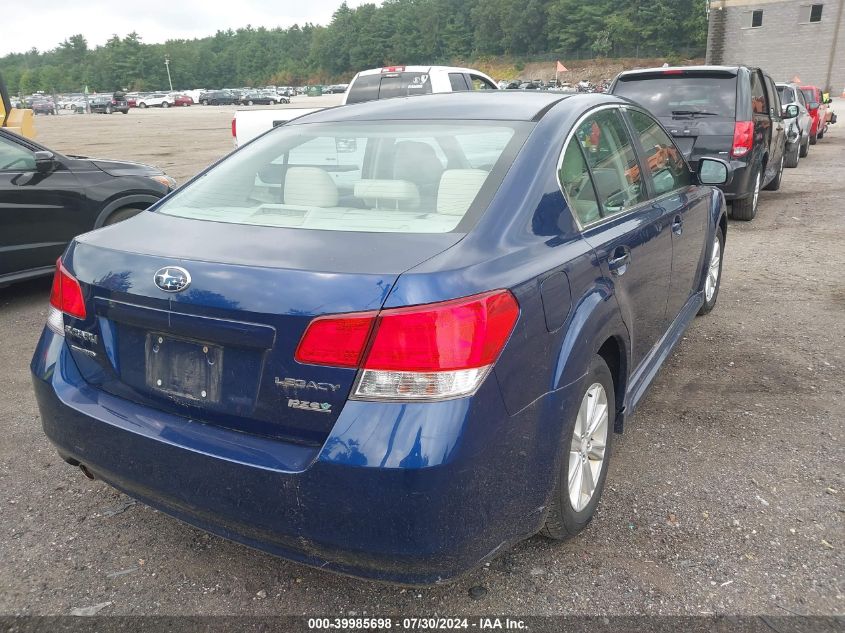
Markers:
point(219, 97)
point(106, 105)
point(729, 112)
point(46, 199)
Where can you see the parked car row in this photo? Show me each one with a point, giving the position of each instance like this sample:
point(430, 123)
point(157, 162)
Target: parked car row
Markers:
point(736, 112)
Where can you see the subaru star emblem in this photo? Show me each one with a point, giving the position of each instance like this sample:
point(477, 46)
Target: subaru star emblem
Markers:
point(172, 278)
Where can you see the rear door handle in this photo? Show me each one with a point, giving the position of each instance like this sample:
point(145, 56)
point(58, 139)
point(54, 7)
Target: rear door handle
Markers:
point(677, 225)
point(618, 262)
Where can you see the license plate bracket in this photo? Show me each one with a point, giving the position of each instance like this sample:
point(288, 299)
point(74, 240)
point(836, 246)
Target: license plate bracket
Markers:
point(184, 368)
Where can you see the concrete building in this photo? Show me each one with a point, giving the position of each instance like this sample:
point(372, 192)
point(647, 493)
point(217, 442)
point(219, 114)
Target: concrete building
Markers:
point(787, 38)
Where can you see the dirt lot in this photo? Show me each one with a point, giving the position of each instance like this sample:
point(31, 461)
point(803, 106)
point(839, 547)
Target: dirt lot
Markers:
point(725, 495)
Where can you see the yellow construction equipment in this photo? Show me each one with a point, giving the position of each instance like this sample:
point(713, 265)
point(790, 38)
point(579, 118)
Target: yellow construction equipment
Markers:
point(18, 120)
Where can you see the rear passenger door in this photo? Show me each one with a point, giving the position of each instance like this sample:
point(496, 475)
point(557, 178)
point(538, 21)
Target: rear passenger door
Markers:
point(778, 142)
point(762, 122)
point(685, 208)
point(605, 188)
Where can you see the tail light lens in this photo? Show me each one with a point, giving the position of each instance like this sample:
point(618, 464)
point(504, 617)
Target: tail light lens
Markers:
point(234, 128)
point(743, 138)
point(65, 298)
point(427, 352)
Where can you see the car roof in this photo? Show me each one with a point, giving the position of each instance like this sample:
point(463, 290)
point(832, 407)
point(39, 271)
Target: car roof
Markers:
point(481, 105)
point(728, 70)
point(417, 69)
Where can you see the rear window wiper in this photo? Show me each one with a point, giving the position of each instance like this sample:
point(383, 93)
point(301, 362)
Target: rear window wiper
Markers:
point(693, 113)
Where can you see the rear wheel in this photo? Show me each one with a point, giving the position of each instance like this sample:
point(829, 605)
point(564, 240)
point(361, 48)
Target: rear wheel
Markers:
point(813, 138)
point(820, 135)
point(142, 105)
point(746, 209)
point(774, 185)
point(583, 468)
point(793, 157)
point(249, 102)
point(164, 104)
point(108, 110)
point(205, 101)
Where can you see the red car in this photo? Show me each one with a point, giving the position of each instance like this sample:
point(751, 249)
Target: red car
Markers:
point(183, 100)
point(132, 102)
point(817, 107)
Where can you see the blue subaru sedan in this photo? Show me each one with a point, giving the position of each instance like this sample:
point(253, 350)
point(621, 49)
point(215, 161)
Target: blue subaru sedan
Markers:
point(388, 339)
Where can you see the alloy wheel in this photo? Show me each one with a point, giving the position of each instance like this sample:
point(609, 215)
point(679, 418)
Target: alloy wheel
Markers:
point(713, 270)
point(587, 451)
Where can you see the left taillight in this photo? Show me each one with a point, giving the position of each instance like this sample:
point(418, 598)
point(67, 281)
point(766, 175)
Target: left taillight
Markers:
point(434, 351)
point(65, 298)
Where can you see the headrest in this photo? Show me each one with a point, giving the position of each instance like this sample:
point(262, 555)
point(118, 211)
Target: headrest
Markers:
point(395, 191)
point(310, 187)
point(458, 188)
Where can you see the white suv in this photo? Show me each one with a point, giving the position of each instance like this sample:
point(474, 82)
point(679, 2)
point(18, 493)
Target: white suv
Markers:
point(405, 81)
point(157, 99)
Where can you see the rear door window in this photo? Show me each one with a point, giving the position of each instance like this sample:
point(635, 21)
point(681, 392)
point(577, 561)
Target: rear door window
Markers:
point(680, 94)
point(609, 153)
point(458, 82)
point(388, 85)
point(758, 94)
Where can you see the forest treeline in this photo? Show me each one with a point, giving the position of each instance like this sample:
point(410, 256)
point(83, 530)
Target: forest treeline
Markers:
point(394, 32)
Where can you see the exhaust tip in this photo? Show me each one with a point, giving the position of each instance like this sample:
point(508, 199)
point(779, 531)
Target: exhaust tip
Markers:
point(86, 472)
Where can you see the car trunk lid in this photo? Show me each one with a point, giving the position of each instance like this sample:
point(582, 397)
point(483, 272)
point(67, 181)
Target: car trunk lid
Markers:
point(221, 351)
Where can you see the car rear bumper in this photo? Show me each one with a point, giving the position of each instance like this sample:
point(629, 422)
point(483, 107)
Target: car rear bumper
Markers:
point(395, 493)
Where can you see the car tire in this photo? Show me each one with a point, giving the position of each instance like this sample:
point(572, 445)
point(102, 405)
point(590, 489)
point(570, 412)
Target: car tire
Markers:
point(249, 102)
point(125, 111)
point(214, 102)
point(713, 274)
point(120, 215)
point(164, 104)
point(573, 503)
point(774, 184)
point(746, 209)
point(204, 102)
point(108, 110)
point(793, 157)
point(821, 134)
point(813, 139)
point(805, 148)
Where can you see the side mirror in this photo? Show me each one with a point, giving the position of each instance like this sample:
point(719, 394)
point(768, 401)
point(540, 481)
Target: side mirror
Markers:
point(790, 111)
point(712, 171)
point(813, 105)
point(44, 161)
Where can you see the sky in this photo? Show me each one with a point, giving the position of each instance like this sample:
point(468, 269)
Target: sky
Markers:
point(47, 23)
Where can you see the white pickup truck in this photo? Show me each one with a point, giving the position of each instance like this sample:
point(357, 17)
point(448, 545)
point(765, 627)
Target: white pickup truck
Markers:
point(247, 124)
point(369, 85)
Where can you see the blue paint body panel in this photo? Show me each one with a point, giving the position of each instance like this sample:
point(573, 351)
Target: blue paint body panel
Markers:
point(404, 492)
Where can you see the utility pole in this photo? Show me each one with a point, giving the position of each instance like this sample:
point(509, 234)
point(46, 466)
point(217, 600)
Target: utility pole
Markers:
point(167, 65)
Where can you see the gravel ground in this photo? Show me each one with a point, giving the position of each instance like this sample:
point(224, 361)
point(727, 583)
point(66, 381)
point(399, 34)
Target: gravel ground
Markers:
point(726, 494)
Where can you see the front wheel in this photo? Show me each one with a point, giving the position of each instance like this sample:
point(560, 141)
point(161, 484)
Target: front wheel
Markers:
point(142, 105)
point(713, 278)
point(805, 148)
point(583, 469)
point(164, 104)
point(813, 139)
point(205, 101)
point(108, 110)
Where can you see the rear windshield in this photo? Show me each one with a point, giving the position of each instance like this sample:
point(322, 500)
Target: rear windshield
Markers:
point(387, 85)
point(668, 94)
point(402, 177)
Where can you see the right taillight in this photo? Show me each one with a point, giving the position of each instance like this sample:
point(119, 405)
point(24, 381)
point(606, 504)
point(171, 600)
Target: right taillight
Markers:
point(234, 128)
point(65, 298)
point(426, 352)
point(743, 138)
